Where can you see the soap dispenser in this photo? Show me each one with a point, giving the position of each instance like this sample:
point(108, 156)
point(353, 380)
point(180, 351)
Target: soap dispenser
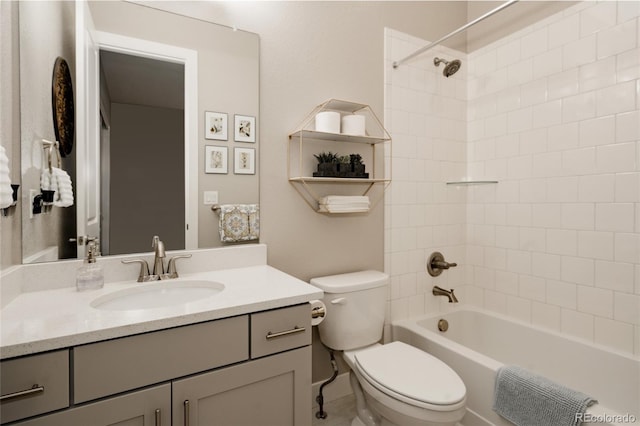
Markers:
point(90, 274)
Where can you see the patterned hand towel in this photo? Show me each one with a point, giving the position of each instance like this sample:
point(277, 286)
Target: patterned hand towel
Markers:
point(527, 399)
point(239, 222)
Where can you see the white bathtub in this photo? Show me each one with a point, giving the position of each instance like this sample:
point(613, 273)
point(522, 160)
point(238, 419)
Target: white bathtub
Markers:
point(479, 342)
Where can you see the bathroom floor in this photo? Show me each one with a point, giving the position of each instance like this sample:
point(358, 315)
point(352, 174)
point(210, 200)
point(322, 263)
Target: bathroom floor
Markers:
point(340, 412)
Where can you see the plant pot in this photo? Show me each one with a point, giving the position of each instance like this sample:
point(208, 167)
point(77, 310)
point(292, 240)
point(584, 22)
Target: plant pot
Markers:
point(344, 169)
point(326, 170)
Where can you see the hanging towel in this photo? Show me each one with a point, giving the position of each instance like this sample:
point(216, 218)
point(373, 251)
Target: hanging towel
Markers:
point(527, 399)
point(6, 193)
point(63, 187)
point(239, 222)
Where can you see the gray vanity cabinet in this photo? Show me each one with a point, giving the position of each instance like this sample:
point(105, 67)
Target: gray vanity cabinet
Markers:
point(271, 391)
point(149, 407)
point(247, 370)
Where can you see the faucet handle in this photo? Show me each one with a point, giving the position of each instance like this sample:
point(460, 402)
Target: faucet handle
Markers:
point(144, 269)
point(172, 272)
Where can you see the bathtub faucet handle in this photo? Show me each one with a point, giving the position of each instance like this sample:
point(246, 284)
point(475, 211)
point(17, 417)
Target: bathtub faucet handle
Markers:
point(436, 264)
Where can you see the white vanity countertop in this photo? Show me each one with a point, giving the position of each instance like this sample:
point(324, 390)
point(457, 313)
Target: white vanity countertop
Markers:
point(53, 319)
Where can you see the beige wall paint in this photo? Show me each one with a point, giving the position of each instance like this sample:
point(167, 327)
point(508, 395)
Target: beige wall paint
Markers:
point(10, 244)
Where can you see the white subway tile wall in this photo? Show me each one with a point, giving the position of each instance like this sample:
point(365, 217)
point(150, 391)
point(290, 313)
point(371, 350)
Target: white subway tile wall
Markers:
point(553, 113)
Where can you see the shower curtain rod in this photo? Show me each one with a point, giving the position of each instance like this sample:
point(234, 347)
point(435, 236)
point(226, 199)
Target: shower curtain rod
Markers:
point(504, 5)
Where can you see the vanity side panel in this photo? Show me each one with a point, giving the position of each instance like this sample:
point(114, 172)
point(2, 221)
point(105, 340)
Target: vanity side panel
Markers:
point(49, 371)
point(113, 366)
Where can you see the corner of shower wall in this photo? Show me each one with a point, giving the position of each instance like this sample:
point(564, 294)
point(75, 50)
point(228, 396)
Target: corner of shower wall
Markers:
point(425, 114)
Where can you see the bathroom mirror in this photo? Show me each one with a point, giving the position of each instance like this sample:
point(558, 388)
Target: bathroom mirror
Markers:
point(138, 169)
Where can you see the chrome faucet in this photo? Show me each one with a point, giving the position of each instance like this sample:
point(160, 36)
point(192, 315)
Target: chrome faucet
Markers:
point(438, 291)
point(158, 260)
point(158, 272)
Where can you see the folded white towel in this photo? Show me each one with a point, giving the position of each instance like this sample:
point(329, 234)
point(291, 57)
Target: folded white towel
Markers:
point(328, 208)
point(344, 199)
point(6, 198)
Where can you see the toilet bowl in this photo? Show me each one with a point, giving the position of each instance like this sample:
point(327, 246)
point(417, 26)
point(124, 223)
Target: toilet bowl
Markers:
point(407, 386)
point(394, 384)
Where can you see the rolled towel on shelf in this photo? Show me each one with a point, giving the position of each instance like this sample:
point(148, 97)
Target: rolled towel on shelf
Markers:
point(239, 222)
point(525, 398)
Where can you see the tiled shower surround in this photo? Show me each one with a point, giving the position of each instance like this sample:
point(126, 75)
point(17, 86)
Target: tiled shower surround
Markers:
point(552, 112)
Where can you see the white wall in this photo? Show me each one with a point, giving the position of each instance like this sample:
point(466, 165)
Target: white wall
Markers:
point(554, 116)
point(426, 114)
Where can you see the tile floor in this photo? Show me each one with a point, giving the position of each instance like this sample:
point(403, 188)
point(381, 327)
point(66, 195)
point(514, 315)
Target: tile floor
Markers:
point(340, 412)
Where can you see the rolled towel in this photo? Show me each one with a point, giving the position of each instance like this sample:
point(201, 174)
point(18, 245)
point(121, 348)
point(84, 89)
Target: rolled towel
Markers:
point(525, 398)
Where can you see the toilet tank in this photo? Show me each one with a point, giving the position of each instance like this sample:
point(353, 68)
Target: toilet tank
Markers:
point(355, 308)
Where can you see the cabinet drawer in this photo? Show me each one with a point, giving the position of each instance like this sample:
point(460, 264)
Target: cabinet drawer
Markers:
point(106, 368)
point(45, 376)
point(280, 330)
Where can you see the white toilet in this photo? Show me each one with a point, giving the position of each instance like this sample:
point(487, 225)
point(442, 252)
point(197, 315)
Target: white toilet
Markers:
point(394, 384)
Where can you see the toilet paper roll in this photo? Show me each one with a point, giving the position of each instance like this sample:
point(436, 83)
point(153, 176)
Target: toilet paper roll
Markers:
point(328, 121)
point(353, 125)
point(319, 310)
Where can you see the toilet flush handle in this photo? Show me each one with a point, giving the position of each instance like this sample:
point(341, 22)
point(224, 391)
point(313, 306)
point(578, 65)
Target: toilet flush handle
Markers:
point(339, 301)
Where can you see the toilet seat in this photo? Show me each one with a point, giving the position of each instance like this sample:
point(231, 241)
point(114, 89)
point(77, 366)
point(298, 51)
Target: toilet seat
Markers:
point(412, 376)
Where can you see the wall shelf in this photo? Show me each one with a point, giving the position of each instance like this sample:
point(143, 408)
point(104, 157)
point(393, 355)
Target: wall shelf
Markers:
point(301, 163)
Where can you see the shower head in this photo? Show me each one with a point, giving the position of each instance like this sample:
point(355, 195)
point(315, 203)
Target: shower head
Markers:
point(451, 67)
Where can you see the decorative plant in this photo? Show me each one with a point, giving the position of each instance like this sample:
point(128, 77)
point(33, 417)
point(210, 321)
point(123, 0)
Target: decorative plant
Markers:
point(345, 159)
point(355, 159)
point(326, 157)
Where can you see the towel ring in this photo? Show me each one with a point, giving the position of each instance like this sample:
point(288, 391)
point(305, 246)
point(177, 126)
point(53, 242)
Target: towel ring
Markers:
point(215, 208)
point(50, 146)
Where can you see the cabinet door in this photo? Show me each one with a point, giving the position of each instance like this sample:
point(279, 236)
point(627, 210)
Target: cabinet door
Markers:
point(271, 391)
point(149, 407)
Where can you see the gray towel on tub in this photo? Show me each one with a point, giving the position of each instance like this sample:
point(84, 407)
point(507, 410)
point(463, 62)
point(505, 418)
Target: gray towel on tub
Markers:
point(527, 399)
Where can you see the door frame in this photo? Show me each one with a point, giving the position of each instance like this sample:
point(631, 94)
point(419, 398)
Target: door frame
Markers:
point(189, 58)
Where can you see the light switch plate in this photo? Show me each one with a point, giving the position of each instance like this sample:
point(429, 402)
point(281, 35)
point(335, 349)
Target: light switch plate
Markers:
point(210, 197)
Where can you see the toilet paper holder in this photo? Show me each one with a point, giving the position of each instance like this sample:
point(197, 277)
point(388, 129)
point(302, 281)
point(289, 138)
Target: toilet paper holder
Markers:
point(318, 312)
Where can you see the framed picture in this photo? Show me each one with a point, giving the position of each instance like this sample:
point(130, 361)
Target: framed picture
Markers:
point(215, 159)
point(245, 128)
point(244, 161)
point(215, 125)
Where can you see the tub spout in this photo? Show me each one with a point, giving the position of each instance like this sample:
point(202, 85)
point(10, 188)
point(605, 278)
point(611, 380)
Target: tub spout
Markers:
point(438, 291)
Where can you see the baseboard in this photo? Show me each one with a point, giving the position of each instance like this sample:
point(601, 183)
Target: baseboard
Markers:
point(337, 389)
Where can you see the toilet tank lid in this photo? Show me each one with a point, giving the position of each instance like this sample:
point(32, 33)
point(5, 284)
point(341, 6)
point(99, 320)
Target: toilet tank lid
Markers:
point(354, 281)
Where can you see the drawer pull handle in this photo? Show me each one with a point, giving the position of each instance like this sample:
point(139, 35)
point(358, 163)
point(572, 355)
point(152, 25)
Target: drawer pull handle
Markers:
point(186, 412)
point(294, 330)
point(27, 392)
point(158, 418)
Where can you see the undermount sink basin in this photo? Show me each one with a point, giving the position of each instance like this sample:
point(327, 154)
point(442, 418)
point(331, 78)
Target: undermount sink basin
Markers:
point(157, 295)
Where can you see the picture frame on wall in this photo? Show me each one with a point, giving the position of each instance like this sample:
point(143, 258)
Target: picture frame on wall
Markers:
point(216, 125)
point(244, 161)
point(245, 128)
point(216, 159)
